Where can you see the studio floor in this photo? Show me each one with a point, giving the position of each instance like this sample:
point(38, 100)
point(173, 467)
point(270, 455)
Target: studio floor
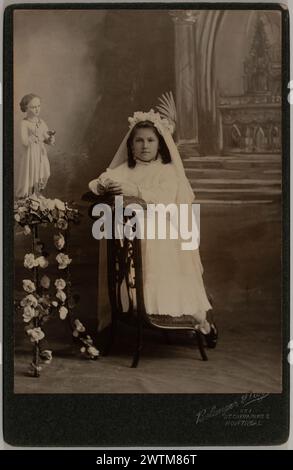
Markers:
point(243, 362)
point(241, 253)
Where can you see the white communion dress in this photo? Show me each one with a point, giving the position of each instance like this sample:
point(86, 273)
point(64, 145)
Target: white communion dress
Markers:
point(34, 167)
point(172, 277)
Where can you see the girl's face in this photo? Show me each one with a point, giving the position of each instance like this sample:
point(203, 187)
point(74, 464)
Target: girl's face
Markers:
point(145, 145)
point(34, 107)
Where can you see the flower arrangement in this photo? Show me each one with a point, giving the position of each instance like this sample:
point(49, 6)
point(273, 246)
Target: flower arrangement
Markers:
point(38, 209)
point(44, 297)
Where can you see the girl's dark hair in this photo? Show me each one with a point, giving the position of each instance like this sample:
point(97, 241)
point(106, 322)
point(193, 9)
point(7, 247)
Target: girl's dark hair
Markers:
point(25, 101)
point(163, 149)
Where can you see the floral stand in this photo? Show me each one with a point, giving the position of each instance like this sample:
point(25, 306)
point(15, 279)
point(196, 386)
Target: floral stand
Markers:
point(45, 297)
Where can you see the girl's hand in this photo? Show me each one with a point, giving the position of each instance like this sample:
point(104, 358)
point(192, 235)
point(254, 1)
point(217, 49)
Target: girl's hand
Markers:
point(104, 186)
point(100, 189)
point(113, 187)
point(125, 189)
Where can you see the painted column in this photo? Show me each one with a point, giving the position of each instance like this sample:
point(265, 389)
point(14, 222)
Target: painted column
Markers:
point(186, 93)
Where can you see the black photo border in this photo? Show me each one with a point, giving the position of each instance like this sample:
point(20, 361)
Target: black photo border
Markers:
point(130, 420)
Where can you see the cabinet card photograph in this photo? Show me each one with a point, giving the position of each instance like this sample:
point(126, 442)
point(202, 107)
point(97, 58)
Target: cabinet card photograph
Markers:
point(145, 169)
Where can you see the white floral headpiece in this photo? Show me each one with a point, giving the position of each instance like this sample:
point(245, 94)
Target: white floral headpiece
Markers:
point(152, 116)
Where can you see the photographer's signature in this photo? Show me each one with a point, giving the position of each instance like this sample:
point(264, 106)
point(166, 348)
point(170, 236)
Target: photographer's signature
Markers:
point(243, 401)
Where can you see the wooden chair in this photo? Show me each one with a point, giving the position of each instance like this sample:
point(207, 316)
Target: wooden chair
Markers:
point(124, 262)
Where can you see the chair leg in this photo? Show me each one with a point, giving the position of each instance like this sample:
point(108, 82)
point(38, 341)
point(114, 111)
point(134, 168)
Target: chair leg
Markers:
point(199, 337)
point(212, 337)
point(138, 349)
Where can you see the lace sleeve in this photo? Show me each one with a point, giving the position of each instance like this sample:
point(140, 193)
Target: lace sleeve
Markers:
point(98, 186)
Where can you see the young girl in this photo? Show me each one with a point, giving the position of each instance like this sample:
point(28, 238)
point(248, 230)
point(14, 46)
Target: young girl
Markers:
point(34, 168)
point(147, 165)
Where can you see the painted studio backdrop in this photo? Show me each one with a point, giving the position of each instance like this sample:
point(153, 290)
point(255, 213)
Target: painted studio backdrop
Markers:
point(93, 69)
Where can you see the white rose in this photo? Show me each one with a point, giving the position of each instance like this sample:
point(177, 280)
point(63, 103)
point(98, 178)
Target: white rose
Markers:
point(61, 295)
point(43, 204)
point(92, 351)
point(28, 314)
point(36, 334)
point(63, 312)
point(79, 326)
point(51, 204)
point(28, 285)
point(46, 356)
point(62, 224)
point(60, 284)
point(54, 303)
point(59, 205)
point(34, 205)
point(59, 241)
point(32, 300)
point(29, 261)
point(29, 300)
point(17, 217)
point(63, 260)
point(42, 262)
